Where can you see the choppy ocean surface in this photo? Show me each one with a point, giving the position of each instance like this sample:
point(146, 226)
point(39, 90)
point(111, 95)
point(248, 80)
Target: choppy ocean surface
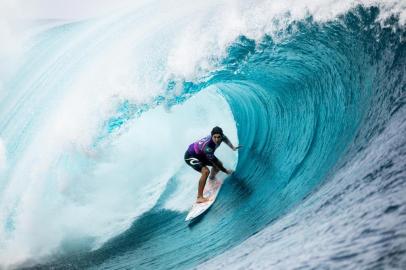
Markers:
point(97, 114)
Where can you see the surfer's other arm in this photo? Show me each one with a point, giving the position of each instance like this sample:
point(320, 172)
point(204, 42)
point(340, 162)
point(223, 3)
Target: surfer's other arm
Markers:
point(228, 142)
point(218, 165)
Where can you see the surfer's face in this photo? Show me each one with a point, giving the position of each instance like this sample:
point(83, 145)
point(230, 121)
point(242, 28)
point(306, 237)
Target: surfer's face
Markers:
point(217, 138)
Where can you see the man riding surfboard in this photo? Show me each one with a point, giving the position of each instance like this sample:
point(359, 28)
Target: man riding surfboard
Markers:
point(200, 154)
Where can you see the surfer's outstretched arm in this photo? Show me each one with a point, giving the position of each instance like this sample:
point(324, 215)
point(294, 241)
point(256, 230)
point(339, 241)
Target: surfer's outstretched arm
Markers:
point(227, 141)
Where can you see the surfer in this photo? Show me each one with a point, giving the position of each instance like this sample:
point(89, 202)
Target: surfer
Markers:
point(200, 154)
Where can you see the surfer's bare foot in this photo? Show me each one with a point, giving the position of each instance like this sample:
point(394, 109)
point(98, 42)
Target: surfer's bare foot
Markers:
point(202, 200)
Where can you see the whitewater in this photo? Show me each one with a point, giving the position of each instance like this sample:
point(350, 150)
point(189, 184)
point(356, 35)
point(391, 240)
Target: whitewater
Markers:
point(96, 114)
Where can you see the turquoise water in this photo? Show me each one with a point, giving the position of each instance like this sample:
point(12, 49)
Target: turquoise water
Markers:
point(96, 120)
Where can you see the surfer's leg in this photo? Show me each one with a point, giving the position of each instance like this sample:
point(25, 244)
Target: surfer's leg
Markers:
point(202, 182)
point(213, 172)
point(193, 162)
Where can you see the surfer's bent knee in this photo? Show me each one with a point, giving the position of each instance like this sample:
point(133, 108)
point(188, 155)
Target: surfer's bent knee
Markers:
point(205, 171)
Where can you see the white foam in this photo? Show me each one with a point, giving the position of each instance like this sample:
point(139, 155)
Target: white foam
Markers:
point(98, 196)
point(11, 41)
point(3, 157)
point(208, 35)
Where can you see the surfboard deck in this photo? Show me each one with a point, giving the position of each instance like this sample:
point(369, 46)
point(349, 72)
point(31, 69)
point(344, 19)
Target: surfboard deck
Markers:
point(211, 190)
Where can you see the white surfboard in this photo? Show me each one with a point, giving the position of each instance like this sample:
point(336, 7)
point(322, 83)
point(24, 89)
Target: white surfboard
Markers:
point(211, 190)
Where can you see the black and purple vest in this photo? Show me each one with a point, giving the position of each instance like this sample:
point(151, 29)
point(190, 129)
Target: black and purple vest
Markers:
point(203, 148)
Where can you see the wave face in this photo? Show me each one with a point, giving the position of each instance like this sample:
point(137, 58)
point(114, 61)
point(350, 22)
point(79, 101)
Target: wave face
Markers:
point(95, 122)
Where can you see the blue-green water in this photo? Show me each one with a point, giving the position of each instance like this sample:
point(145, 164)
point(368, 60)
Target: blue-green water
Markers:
point(96, 120)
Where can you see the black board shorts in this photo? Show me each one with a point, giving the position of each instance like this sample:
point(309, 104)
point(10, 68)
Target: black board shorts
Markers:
point(196, 162)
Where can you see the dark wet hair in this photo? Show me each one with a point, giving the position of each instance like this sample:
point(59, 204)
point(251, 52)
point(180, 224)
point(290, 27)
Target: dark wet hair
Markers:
point(217, 130)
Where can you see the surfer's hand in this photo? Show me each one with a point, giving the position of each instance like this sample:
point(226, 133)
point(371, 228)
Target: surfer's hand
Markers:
point(229, 172)
point(236, 148)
